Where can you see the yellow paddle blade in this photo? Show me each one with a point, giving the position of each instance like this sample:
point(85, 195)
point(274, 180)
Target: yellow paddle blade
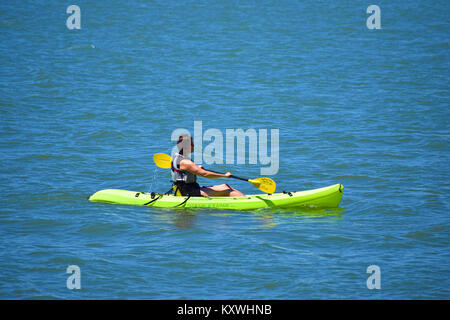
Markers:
point(264, 184)
point(162, 160)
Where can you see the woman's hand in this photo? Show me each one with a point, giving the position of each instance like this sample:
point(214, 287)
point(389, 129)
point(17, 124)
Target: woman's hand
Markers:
point(228, 175)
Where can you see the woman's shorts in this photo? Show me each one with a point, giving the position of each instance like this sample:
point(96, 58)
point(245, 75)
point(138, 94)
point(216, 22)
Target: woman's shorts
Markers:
point(189, 189)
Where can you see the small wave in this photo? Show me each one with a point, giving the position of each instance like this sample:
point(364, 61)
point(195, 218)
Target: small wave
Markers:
point(341, 239)
point(81, 47)
point(106, 134)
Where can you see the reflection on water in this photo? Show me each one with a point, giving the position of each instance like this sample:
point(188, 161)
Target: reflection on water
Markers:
point(269, 218)
point(180, 218)
point(184, 219)
point(313, 213)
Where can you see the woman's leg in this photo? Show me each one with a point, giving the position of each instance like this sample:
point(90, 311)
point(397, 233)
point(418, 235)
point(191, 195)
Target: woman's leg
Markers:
point(221, 190)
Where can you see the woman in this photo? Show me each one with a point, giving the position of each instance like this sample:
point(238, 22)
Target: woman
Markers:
point(185, 172)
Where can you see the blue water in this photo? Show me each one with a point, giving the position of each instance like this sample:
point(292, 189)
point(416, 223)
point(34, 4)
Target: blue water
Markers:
point(84, 110)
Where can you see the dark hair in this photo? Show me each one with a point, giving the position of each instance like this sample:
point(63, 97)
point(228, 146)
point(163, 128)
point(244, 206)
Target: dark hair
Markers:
point(184, 138)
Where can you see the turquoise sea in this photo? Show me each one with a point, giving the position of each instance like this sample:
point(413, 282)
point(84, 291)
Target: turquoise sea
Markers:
point(85, 109)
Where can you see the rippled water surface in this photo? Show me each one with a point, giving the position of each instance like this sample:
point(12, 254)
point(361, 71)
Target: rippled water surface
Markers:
point(84, 110)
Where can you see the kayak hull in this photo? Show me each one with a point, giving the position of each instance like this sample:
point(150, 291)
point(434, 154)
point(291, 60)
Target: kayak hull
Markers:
point(327, 197)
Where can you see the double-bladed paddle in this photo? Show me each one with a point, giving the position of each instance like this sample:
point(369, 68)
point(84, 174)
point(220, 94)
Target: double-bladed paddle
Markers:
point(264, 184)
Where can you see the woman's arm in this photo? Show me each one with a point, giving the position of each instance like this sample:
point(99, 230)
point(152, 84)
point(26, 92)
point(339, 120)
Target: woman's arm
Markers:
point(188, 165)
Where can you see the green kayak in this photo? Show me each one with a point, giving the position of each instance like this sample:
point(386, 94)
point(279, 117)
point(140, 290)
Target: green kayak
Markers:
point(327, 197)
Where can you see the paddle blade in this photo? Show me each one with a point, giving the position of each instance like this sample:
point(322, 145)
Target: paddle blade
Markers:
point(162, 160)
point(264, 184)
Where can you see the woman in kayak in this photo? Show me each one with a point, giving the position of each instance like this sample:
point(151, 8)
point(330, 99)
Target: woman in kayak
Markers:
point(185, 172)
